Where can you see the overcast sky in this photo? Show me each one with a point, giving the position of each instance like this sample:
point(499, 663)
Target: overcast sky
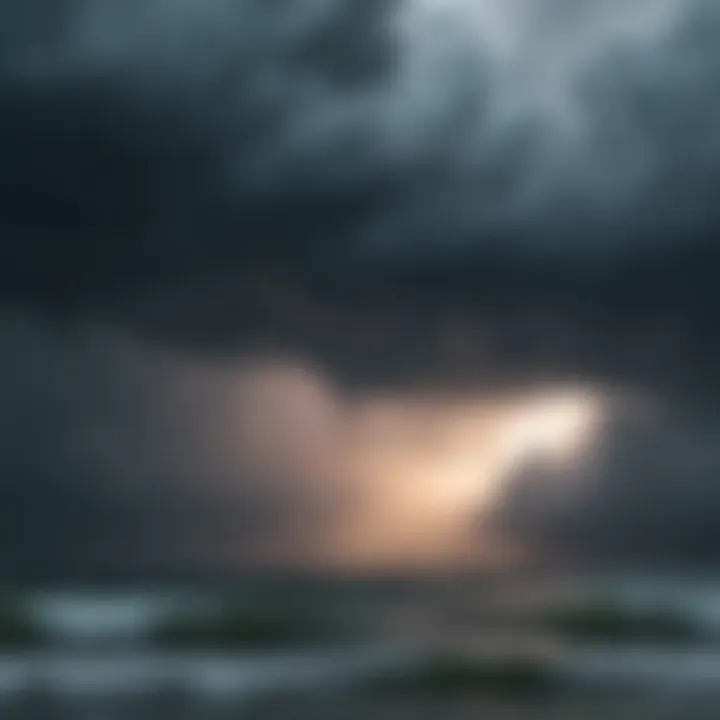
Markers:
point(237, 236)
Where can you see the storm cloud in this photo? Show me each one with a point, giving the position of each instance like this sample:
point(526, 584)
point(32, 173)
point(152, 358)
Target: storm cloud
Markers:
point(408, 198)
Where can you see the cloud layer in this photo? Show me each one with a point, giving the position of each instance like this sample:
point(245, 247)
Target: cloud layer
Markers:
point(356, 200)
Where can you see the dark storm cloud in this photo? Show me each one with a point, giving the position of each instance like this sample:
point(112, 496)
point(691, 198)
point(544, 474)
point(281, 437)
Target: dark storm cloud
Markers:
point(145, 178)
point(649, 497)
point(134, 162)
point(69, 496)
point(292, 178)
point(323, 125)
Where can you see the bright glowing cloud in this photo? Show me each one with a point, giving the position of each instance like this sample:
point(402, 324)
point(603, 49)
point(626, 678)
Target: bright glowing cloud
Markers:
point(396, 480)
point(426, 473)
point(554, 427)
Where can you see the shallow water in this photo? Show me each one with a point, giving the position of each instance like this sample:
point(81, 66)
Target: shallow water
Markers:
point(332, 706)
point(128, 681)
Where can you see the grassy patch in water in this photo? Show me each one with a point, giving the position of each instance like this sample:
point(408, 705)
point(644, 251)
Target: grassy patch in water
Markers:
point(607, 621)
point(18, 628)
point(240, 627)
point(459, 675)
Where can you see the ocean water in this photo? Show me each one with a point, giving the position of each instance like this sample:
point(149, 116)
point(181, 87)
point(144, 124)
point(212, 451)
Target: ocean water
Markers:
point(102, 667)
